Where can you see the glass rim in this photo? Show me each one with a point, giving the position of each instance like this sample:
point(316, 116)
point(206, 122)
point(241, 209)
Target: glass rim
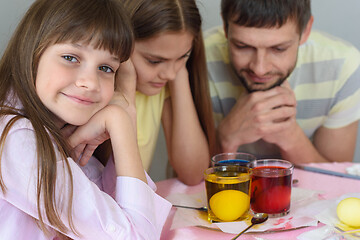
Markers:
point(281, 162)
point(232, 154)
point(244, 175)
point(256, 167)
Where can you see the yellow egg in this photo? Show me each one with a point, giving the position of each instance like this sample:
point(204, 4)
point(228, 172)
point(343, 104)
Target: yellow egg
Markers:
point(348, 211)
point(229, 205)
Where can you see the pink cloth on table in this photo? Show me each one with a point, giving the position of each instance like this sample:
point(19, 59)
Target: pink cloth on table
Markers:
point(331, 186)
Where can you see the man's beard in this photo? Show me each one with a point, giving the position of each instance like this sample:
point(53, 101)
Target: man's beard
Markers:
point(250, 89)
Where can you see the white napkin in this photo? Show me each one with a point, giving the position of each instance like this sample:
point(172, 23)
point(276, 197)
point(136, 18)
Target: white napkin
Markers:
point(326, 213)
point(189, 217)
point(354, 170)
point(298, 216)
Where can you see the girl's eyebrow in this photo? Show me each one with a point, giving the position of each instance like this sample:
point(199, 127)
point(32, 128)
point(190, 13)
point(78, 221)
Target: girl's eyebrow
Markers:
point(79, 46)
point(115, 59)
point(157, 57)
point(164, 59)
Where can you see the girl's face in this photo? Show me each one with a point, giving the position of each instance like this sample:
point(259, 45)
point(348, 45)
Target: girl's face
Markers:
point(157, 60)
point(74, 81)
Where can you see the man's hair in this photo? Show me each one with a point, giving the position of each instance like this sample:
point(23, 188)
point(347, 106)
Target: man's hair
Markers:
point(266, 13)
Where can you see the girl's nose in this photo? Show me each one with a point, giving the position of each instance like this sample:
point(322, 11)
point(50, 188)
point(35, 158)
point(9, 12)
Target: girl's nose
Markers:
point(169, 72)
point(88, 79)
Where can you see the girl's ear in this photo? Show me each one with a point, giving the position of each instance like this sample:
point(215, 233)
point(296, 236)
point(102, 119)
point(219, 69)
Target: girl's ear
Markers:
point(306, 33)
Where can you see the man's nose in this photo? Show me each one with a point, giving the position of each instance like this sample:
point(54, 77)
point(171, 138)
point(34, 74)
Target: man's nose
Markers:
point(260, 63)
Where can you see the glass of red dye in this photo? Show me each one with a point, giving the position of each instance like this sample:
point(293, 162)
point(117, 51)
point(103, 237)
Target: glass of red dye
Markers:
point(237, 159)
point(271, 186)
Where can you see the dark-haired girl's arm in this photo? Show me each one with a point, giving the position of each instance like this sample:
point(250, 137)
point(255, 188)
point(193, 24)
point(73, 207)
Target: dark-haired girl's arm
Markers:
point(186, 142)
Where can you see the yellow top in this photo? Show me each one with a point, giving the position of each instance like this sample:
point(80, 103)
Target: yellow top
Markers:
point(148, 114)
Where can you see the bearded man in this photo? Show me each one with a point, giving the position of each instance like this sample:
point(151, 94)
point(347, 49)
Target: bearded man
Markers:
point(279, 89)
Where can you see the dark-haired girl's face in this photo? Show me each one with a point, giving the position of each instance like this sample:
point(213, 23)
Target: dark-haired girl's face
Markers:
point(158, 60)
point(74, 81)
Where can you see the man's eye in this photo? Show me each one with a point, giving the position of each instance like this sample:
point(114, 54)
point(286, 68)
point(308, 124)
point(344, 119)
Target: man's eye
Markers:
point(70, 58)
point(279, 49)
point(241, 46)
point(106, 69)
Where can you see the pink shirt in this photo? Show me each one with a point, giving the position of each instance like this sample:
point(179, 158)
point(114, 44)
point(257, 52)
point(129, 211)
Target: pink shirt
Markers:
point(134, 212)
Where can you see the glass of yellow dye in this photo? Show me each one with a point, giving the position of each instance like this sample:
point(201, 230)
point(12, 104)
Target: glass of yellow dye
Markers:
point(227, 191)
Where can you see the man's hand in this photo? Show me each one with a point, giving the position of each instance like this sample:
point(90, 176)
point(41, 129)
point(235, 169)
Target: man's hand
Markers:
point(286, 128)
point(268, 115)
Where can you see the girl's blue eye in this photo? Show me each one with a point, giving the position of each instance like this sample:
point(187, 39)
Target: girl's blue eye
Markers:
point(70, 58)
point(106, 69)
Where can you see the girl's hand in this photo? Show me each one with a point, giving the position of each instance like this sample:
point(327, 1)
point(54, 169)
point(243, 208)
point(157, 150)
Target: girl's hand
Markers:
point(124, 95)
point(180, 82)
point(115, 123)
point(66, 132)
point(86, 138)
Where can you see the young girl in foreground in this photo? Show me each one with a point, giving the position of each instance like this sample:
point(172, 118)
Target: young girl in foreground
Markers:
point(172, 86)
point(58, 71)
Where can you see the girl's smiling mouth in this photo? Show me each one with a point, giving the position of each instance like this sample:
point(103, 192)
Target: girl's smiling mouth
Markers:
point(78, 99)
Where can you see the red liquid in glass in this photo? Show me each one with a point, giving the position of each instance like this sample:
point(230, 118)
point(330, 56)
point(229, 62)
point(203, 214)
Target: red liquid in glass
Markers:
point(270, 192)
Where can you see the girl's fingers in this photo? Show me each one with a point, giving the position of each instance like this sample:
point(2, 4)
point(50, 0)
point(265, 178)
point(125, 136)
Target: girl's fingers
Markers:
point(77, 151)
point(86, 154)
point(124, 94)
point(126, 79)
point(67, 130)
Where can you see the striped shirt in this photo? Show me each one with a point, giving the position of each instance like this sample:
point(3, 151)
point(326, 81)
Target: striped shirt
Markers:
point(326, 83)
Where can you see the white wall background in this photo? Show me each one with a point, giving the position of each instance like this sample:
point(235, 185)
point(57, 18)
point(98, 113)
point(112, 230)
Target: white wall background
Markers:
point(11, 12)
point(338, 17)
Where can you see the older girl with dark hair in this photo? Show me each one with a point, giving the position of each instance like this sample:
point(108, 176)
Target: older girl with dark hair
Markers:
point(172, 86)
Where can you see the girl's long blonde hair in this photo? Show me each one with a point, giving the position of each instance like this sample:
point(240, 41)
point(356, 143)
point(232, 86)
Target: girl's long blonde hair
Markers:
point(103, 23)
